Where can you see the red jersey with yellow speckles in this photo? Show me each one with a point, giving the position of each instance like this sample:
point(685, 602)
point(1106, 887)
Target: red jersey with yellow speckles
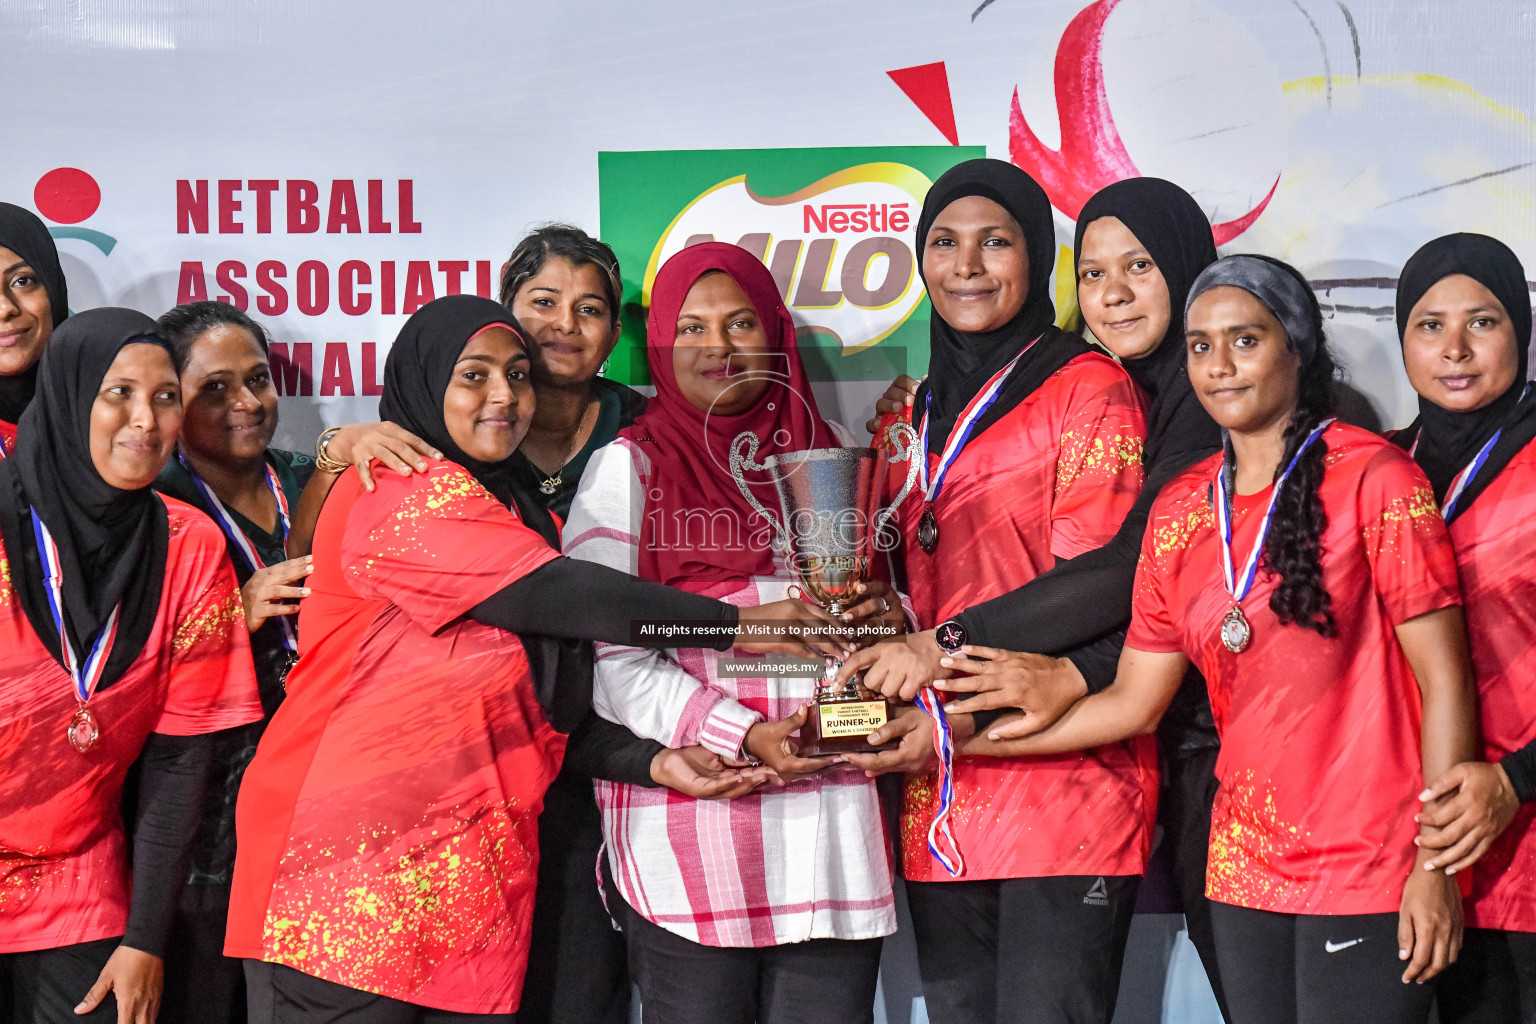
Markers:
point(7, 438)
point(1496, 553)
point(1320, 764)
point(63, 859)
point(1051, 479)
point(388, 824)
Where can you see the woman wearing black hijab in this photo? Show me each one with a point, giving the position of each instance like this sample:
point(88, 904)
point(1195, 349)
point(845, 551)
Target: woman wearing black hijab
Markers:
point(1140, 245)
point(33, 301)
point(1033, 442)
point(445, 650)
point(1464, 316)
point(122, 626)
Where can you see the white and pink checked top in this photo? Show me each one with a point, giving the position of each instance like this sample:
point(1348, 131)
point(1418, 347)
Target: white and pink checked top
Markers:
point(808, 861)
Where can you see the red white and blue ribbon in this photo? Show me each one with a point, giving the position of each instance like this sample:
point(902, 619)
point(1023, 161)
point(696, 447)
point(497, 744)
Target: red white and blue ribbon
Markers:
point(1469, 471)
point(83, 677)
point(3, 451)
point(1240, 586)
point(941, 841)
point(237, 537)
point(973, 412)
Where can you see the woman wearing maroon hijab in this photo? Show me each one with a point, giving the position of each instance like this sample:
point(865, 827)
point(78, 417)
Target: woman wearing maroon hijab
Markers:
point(768, 907)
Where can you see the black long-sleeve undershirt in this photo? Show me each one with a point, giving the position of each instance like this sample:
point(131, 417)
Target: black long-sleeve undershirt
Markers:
point(571, 600)
point(1520, 766)
point(576, 600)
point(173, 777)
point(1081, 607)
point(1074, 604)
point(600, 749)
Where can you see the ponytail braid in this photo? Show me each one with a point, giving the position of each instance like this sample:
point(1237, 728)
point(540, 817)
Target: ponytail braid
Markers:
point(1294, 548)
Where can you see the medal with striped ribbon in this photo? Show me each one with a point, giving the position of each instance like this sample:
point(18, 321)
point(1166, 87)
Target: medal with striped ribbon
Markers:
point(1236, 633)
point(240, 541)
point(928, 526)
point(1469, 471)
point(941, 841)
point(84, 730)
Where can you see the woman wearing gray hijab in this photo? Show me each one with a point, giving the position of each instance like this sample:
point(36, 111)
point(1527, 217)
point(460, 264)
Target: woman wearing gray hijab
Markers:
point(1306, 572)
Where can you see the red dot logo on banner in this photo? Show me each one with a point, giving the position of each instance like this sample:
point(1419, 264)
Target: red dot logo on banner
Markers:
point(67, 195)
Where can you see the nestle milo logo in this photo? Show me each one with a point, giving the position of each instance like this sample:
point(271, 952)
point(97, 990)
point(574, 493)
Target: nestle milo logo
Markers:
point(834, 227)
point(842, 263)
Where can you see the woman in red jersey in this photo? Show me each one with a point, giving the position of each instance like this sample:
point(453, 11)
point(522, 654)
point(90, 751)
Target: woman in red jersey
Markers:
point(124, 640)
point(387, 840)
point(563, 288)
point(1306, 573)
point(1464, 315)
point(1140, 244)
point(1033, 444)
point(33, 301)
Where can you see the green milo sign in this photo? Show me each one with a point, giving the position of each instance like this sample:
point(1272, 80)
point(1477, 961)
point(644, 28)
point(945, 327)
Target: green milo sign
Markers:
point(834, 226)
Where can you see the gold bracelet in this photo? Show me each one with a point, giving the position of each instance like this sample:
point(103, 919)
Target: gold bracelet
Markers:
point(324, 462)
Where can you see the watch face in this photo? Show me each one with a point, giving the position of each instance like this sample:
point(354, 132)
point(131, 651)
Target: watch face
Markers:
point(950, 636)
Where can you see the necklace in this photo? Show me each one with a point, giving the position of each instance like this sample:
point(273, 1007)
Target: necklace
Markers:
point(550, 484)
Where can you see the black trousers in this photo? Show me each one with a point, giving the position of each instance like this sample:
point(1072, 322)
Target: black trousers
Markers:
point(202, 985)
point(282, 995)
point(1492, 982)
point(1022, 950)
point(578, 968)
point(1189, 787)
point(45, 986)
point(822, 981)
point(1314, 968)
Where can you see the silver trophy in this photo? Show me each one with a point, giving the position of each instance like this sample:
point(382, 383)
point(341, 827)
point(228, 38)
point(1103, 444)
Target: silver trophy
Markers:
point(831, 524)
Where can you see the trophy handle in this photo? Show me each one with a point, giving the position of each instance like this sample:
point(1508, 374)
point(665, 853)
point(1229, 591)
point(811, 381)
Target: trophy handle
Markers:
point(904, 441)
point(739, 462)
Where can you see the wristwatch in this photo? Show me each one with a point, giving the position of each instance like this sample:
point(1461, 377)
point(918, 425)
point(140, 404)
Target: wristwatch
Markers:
point(950, 636)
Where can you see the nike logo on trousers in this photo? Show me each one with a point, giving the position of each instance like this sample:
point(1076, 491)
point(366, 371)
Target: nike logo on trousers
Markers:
point(1334, 947)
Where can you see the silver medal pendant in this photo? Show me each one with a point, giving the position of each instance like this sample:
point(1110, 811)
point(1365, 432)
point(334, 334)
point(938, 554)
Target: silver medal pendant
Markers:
point(928, 531)
point(1235, 631)
point(83, 730)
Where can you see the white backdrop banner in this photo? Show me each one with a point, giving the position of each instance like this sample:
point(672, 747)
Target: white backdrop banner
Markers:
point(332, 166)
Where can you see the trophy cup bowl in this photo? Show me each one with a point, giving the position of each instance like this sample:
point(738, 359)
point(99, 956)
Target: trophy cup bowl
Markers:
point(829, 503)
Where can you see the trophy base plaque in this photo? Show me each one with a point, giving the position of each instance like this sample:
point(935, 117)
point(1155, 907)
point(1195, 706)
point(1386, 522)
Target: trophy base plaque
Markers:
point(840, 722)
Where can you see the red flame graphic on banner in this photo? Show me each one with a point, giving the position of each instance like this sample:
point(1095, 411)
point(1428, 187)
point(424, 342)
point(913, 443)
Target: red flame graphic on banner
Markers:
point(1091, 154)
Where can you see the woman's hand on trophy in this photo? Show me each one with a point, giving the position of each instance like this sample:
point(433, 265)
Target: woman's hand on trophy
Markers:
point(771, 743)
point(914, 729)
point(703, 774)
point(791, 627)
point(879, 605)
point(897, 400)
point(899, 668)
point(1043, 687)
